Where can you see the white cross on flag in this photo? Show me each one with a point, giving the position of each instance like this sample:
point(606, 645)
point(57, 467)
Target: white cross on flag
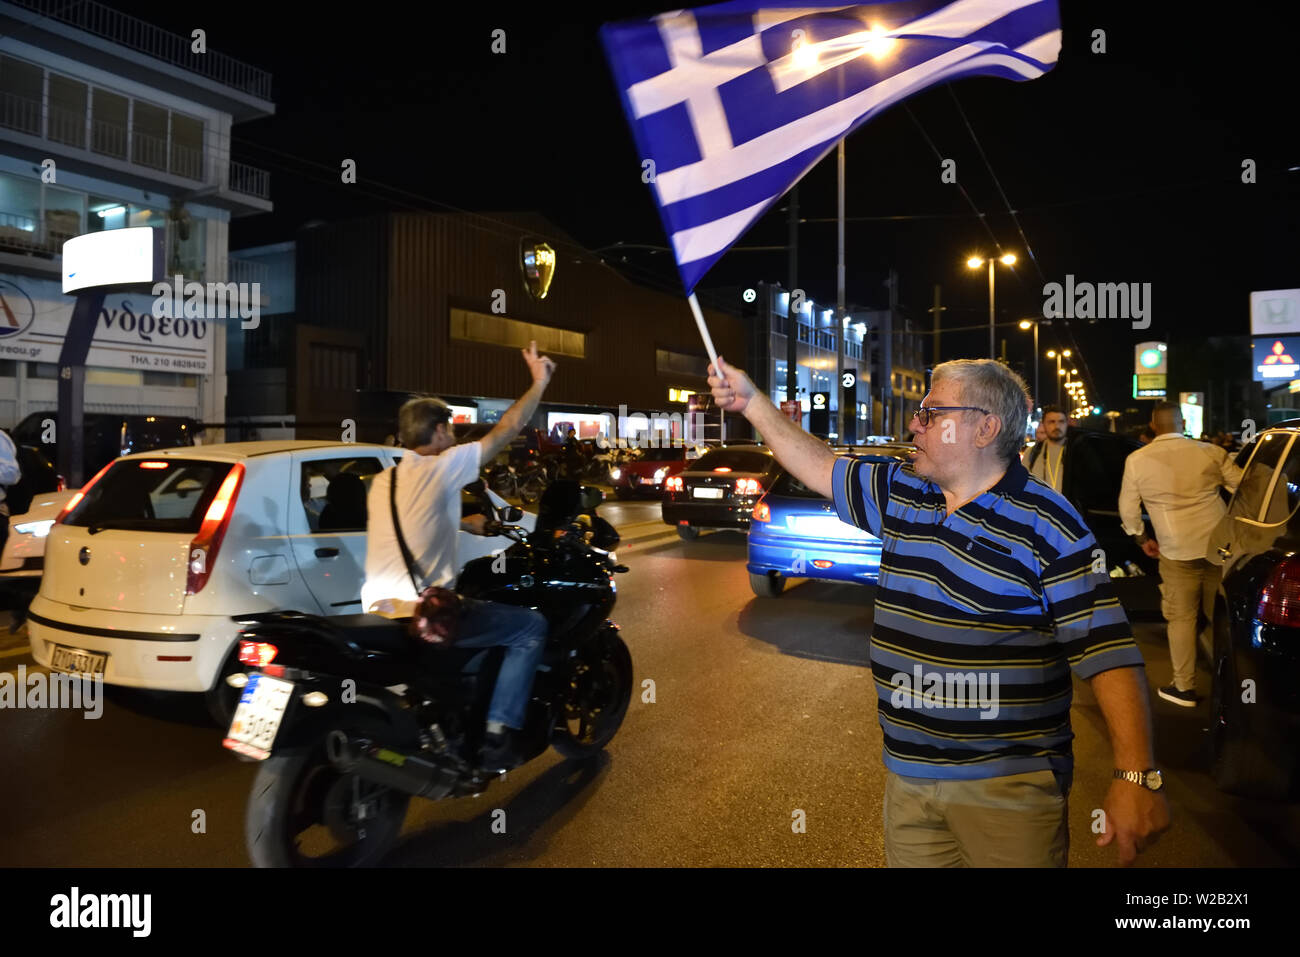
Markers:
point(734, 103)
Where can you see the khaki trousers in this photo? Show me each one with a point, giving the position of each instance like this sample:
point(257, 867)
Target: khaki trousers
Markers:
point(1187, 589)
point(1018, 820)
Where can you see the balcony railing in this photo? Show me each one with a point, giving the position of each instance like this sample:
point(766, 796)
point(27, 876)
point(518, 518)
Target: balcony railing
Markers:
point(187, 162)
point(247, 271)
point(20, 113)
point(150, 151)
point(108, 139)
point(67, 126)
point(22, 233)
point(250, 180)
point(140, 35)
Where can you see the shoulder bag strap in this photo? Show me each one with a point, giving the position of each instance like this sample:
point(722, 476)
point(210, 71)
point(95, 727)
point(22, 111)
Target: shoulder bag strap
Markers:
point(397, 528)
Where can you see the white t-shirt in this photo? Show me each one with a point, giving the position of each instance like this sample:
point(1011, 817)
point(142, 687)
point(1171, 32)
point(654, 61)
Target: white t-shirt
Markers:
point(428, 506)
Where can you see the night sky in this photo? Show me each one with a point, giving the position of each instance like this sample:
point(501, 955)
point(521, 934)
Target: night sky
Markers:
point(1123, 167)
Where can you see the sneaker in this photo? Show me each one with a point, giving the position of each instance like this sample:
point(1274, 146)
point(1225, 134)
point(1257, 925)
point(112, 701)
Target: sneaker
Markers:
point(1185, 699)
point(498, 753)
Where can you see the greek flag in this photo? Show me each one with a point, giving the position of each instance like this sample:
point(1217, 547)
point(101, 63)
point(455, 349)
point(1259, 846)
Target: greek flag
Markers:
point(734, 103)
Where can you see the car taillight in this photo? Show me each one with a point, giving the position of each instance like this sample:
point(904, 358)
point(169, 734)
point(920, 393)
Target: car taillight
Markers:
point(203, 550)
point(76, 499)
point(762, 513)
point(257, 654)
point(1279, 602)
point(674, 484)
point(748, 487)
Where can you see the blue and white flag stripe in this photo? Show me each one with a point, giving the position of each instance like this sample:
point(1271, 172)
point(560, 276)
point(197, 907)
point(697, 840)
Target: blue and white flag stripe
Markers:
point(735, 102)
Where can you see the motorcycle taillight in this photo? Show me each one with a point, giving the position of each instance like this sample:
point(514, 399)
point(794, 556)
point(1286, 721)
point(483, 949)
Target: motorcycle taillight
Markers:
point(1279, 602)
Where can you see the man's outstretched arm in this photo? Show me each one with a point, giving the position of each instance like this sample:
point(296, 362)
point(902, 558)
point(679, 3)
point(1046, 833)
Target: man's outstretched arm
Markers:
point(519, 414)
point(805, 456)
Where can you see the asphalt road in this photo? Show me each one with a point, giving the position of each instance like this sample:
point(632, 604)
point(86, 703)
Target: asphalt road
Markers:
point(762, 707)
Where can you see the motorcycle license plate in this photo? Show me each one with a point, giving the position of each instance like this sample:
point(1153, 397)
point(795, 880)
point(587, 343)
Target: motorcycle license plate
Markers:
point(258, 716)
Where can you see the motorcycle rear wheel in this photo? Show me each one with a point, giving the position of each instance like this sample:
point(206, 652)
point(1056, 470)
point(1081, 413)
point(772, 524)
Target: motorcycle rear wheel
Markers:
point(298, 793)
point(600, 689)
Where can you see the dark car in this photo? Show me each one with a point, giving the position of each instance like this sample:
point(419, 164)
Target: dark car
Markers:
point(719, 489)
point(1255, 684)
point(1094, 472)
point(38, 476)
point(108, 435)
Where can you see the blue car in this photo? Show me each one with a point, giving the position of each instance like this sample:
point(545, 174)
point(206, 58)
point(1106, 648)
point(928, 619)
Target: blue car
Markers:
point(795, 533)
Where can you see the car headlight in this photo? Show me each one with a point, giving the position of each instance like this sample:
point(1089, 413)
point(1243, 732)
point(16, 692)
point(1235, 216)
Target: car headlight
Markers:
point(616, 474)
point(659, 475)
point(39, 529)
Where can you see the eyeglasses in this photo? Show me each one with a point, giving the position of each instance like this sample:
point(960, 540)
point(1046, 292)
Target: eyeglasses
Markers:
point(926, 414)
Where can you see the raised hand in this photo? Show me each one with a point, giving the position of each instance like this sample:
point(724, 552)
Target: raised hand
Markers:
point(732, 390)
point(542, 367)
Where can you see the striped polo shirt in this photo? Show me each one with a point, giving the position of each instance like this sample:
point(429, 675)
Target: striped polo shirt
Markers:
point(980, 617)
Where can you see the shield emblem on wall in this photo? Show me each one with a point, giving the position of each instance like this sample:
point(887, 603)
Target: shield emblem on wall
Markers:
point(538, 262)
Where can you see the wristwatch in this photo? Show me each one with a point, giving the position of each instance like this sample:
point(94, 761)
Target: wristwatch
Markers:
point(1149, 779)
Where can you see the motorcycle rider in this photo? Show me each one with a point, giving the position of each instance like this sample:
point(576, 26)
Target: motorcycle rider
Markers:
point(430, 478)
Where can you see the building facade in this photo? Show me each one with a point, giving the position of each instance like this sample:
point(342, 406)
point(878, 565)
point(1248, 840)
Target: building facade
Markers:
point(108, 122)
point(427, 303)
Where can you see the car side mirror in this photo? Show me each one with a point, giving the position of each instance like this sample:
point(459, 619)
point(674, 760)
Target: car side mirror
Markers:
point(513, 514)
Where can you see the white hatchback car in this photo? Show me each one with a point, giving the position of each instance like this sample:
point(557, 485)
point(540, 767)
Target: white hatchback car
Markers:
point(146, 565)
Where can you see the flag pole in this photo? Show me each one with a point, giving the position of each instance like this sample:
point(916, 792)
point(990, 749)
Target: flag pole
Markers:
point(708, 345)
point(704, 330)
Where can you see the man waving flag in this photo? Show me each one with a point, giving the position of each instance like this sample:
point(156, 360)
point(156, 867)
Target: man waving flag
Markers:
point(732, 104)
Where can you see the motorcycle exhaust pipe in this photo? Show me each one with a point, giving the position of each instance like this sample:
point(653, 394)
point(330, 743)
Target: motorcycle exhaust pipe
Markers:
point(409, 773)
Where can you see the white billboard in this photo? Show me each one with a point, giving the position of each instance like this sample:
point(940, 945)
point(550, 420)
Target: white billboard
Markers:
point(113, 257)
point(1275, 312)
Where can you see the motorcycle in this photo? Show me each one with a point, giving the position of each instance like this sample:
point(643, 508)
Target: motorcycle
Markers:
point(526, 482)
point(351, 716)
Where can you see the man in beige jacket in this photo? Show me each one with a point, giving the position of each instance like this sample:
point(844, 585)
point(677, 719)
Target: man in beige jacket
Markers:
point(1178, 479)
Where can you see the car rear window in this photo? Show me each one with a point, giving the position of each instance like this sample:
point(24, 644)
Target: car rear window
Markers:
point(738, 460)
point(787, 486)
point(153, 495)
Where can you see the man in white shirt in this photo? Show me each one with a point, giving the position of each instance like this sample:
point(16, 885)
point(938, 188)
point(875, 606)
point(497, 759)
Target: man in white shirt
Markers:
point(429, 480)
point(1178, 479)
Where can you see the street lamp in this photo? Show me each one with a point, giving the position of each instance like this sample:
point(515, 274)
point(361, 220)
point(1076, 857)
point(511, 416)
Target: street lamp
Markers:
point(1053, 354)
point(975, 262)
point(1025, 324)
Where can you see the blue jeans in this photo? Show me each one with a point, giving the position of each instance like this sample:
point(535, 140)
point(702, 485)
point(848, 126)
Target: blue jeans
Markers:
point(522, 632)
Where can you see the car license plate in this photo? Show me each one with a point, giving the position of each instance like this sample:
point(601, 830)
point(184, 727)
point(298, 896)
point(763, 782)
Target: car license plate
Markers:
point(76, 661)
point(706, 493)
point(258, 716)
